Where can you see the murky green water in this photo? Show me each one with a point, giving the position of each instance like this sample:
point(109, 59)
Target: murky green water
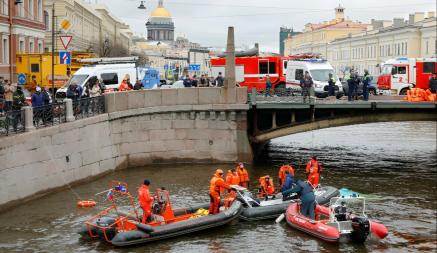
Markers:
point(394, 164)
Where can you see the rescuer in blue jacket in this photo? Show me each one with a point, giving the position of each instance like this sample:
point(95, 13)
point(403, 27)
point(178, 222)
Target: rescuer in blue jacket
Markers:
point(288, 182)
point(307, 198)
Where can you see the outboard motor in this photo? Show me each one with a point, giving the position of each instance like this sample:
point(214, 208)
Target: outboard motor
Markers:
point(360, 229)
point(108, 224)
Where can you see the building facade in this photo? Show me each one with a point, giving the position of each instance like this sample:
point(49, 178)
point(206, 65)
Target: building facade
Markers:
point(21, 31)
point(414, 38)
point(94, 28)
point(160, 26)
point(315, 37)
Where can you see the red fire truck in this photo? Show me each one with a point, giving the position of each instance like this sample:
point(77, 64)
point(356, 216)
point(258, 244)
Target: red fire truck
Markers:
point(251, 71)
point(400, 74)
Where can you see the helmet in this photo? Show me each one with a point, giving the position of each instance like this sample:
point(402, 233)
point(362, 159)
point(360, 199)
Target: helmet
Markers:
point(219, 171)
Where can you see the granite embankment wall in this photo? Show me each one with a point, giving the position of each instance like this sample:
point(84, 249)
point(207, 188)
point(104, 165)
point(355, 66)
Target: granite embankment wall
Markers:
point(139, 128)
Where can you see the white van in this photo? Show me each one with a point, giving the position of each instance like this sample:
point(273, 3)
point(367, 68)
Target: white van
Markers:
point(112, 75)
point(319, 70)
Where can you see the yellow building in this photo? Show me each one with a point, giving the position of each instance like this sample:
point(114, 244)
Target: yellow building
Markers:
point(315, 37)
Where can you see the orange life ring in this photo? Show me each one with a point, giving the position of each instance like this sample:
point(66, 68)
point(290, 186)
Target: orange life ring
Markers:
point(86, 203)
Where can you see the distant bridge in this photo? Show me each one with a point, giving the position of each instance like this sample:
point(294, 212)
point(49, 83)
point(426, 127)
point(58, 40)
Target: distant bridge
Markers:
point(273, 117)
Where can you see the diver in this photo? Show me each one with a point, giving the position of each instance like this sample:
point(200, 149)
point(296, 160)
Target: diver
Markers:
point(307, 198)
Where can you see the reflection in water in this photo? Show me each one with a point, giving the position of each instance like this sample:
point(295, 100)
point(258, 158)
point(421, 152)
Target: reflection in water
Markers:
point(393, 164)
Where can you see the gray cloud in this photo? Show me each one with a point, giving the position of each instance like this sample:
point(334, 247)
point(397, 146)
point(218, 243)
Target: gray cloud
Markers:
point(205, 21)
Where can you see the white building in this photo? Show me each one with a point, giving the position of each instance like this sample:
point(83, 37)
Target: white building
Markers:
point(384, 40)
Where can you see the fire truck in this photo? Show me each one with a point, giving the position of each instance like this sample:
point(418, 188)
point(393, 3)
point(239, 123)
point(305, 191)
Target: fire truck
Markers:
point(251, 71)
point(401, 74)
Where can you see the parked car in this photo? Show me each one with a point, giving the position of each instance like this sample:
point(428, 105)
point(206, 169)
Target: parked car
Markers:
point(373, 87)
point(174, 85)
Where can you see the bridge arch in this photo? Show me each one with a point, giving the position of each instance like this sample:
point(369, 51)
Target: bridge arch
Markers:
point(342, 120)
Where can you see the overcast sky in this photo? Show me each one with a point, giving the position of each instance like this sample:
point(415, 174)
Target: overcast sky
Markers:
point(206, 21)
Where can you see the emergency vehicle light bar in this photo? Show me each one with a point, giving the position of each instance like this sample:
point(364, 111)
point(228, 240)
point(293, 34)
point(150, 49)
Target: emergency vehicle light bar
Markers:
point(114, 60)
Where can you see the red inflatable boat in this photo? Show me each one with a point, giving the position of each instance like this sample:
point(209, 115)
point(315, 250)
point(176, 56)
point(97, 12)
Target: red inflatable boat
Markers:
point(340, 220)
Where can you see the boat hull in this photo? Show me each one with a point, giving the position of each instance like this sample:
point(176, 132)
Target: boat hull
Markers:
point(273, 211)
point(136, 237)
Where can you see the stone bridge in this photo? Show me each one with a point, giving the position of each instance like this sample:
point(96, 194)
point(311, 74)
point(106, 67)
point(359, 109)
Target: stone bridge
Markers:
point(271, 118)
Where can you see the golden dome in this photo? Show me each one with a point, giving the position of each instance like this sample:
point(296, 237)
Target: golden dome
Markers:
point(161, 12)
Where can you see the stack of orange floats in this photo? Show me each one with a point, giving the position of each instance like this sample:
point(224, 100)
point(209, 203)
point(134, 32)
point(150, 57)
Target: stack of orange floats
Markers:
point(420, 95)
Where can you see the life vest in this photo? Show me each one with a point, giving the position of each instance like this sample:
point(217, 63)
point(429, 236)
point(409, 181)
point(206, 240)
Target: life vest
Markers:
point(282, 171)
point(214, 186)
point(267, 187)
point(312, 165)
point(242, 173)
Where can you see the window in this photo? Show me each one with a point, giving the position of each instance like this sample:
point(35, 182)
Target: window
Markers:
point(263, 67)
point(5, 7)
point(46, 20)
point(406, 48)
point(30, 13)
point(5, 48)
point(429, 67)
point(39, 14)
point(401, 70)
point(285, 65)
point(34, 67)
point(109, 78)
point(40, 47)
point(272, 67)
point(31, 47)
point(20, 8)
point(21, 46)
point(298, 74)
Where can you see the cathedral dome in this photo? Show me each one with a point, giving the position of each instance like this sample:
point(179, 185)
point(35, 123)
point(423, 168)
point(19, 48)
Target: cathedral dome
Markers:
point(160, 11)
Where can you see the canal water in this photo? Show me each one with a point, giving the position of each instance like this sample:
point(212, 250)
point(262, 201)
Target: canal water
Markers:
point(393, 164)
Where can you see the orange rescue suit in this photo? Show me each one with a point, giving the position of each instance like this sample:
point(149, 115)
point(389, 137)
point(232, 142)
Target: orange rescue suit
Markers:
point(313, 179)
point(146, 201)
point(313, 164)
point(244, 176)
point(266, 186)
point(282, 171)
point(216, 186)
point(232, 178)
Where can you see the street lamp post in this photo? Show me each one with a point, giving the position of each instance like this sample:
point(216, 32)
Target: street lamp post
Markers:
point(53, 52)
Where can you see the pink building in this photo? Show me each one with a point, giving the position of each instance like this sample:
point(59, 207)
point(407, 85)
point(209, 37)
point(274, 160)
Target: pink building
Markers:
point(22, 27)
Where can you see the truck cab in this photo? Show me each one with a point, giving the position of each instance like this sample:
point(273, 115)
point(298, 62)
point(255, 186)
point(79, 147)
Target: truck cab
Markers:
point(401, 74)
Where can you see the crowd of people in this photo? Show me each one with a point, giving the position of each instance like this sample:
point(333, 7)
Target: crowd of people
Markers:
point(288, 184)
point(203, 81)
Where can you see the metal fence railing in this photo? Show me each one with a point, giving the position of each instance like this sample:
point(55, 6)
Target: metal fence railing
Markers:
point(11, 122)
point(88, 107)
point(49, 115)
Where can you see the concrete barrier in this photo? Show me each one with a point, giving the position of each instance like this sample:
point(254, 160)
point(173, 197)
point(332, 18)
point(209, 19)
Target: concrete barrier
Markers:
point(139, 128)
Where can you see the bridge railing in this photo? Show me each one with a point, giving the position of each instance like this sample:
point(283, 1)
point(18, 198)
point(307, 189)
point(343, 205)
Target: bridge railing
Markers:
point(288, 95)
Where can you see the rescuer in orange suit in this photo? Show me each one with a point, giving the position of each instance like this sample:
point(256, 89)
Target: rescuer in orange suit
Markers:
point(266, 186)
point(145, 199)
point(313, 178)
point(244, 175)
point(282, 175)
point(313, 171)
point(232, 178)
point(216, 186)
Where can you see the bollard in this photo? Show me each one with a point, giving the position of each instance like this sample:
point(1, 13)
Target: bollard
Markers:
point(69, 109)
point(28, 119)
